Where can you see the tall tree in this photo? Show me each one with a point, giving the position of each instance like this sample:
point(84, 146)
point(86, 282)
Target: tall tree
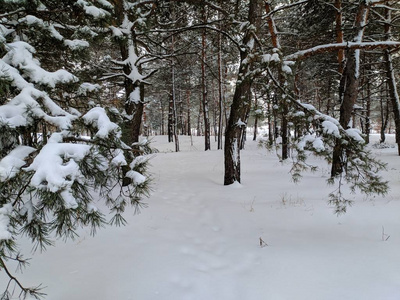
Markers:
point(350, 80)
point(241, 101)
point(391, 79)
point(49, 168)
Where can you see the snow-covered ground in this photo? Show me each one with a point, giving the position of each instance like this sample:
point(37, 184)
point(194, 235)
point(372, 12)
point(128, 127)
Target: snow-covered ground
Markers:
point(200, 240)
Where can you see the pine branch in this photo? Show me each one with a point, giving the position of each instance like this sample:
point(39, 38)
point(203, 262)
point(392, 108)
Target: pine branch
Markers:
point(32, 291)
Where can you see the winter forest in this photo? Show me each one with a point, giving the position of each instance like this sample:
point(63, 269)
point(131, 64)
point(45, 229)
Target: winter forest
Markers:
point(259, 141)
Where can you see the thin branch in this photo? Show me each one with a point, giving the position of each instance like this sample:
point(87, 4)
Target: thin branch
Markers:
point(334, 47)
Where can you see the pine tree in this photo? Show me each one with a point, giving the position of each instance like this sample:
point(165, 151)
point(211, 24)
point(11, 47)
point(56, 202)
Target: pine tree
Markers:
point(58, 147)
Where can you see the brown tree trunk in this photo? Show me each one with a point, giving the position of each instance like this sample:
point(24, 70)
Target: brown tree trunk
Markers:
point(207, 143)
point(384, 107)
point(170, 119)
point(349, 83)
point(391, 80)
point(220, 93)
point(284, 130)
point(255, 118)
point(241, 102)
point(339, 33)
point(189, 125)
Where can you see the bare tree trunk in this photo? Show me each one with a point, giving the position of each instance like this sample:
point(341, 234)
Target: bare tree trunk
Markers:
point(207, 143)
point(200, 119)
point(174, 108)
point(241, 101)
point(170, 119)
point(284, 132)
point(255, 118)
point(220, 93)
point(339, 33)
point(162, 131)
point(384, 107)
point(215, 107)
point(350, 83)
point(189, 125)
point(391, 79)
point(270, 124)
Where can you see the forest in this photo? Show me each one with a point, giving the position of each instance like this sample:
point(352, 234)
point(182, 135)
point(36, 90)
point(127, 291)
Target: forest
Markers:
point(85, 85)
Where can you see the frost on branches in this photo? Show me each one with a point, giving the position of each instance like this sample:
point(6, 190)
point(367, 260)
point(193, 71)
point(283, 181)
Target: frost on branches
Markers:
point(53, 158)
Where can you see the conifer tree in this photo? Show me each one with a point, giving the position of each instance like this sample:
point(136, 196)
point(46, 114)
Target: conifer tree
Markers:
point(58, 148)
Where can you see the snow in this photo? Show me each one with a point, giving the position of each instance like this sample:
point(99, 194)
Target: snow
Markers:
point(13, 161)
point(136, 177)
point(330, 128)
point(316, 142)
point(20, 56)
point(97, 116)
point(93, 10)
point(56, 166)
point(201, 240)
point(5, 210)
point(76, 44)
point(134, 96)
point(87, 87)
point(240, 123)
point(355, 134)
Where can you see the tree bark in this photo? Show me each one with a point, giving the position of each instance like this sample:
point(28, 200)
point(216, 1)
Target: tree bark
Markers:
point(284, 131)
point(391, 80)
point(207, 143)
point(255, 118)
point(241, 101)
point(189, 125)
point(339, 33)
point(220, 93)
point(350, 82)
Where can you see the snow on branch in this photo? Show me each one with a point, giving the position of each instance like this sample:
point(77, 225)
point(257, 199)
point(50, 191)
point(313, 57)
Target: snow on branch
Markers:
point(93, 10)
point(97, 116)
point(20, 55)
point(56, 166)
point(11, 164)
point(337, 46)
point(5, 211)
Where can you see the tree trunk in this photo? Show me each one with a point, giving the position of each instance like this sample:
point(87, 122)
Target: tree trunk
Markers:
point(384, 118)
point(255, 118)
point(170, 119)
point(174, 108)
point(349, 84)
point(284, 132)
point(189, 125)
point(220, 93)
point(241, 101)
point(391, 79)
point(207, 143)
point(339, 33)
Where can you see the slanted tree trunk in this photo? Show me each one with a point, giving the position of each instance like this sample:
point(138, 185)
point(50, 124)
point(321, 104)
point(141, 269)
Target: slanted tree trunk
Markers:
point(241, 100)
